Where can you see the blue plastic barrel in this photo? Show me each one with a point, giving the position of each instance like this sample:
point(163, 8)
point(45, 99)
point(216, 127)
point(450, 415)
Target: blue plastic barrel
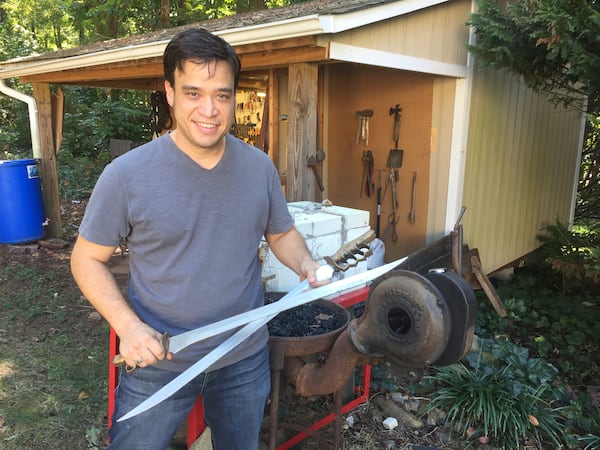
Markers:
point(21, 204)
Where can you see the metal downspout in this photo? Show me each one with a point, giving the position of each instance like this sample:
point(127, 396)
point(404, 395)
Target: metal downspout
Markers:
point(33, 116)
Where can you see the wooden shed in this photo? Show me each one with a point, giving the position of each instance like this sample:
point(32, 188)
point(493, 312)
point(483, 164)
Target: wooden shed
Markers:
point(334, 75)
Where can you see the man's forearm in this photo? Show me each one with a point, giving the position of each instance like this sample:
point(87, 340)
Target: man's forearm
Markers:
point(100, 288)
point(290, 248)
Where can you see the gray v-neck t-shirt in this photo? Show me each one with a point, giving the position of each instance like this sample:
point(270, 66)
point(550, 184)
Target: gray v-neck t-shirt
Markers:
point(192, 234)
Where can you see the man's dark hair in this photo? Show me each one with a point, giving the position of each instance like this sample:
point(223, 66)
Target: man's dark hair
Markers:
point(198, 45)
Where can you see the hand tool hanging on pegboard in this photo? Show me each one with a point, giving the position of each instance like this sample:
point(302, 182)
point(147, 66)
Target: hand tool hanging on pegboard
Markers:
point(394, 161)
point(362, 129)
point(396, 154)
point(378, 225)
point(413, 199)
point(367, 183)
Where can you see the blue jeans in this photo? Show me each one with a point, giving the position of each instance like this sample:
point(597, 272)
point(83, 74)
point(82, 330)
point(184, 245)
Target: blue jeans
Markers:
point(234, 401)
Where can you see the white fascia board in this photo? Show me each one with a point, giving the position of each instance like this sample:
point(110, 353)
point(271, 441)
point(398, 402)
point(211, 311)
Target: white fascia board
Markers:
point(336, 23)
point(460, 137)
point(350, 53)
point(323, 23)
point(93, 59)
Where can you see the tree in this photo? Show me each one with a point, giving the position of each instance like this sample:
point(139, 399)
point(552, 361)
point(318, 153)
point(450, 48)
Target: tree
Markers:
point(555, 46)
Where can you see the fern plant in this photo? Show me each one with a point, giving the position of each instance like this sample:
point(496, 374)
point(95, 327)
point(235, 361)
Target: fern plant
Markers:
point(574, 254)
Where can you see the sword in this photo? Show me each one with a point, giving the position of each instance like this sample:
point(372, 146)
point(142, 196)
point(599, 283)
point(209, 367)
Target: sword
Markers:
point(251, 321)
point(349, 255)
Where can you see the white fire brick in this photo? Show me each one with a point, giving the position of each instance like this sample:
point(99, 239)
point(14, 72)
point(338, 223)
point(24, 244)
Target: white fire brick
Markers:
point(325, 229)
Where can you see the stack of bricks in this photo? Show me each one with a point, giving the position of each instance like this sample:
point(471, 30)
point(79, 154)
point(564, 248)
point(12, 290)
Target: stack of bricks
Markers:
point(325, 229)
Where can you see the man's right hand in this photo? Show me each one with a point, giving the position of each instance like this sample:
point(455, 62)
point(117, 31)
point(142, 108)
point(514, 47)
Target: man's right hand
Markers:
point(141, 346)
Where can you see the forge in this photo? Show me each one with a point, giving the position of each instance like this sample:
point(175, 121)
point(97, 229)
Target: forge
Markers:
point(410, 322)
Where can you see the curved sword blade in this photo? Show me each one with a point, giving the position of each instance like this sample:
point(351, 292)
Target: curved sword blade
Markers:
point(210, 358)
point(176, 343)
point(250, 322)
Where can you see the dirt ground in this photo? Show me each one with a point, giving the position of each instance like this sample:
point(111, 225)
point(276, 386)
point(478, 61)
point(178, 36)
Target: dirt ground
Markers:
point(362, 427)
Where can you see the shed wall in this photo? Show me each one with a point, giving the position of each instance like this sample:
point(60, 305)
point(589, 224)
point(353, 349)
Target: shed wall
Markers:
point(443, 26)
point(352, 88)
point(522, 159)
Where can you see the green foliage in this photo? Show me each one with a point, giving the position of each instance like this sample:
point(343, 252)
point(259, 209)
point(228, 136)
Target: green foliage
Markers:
point(591, 442)
point(47, 20)
point(588, 193)
point(552, 44)
point(94, 116)
point(574, 254)
point(499, 393)
point(562, 329)
point(15, 134)
point(77, 175)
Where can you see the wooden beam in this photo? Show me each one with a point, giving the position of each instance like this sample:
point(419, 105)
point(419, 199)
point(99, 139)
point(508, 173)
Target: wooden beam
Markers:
point(273, 119)
point(281, 58)
point(49, 178)
point(320, 129)
point(58, 114)
point(303, 41)
point(302, 126)
point(128, 70)
point(141, 73)
point(143, 85)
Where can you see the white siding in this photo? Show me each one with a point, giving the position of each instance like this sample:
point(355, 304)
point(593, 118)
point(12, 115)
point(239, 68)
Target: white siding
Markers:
point(522, 155)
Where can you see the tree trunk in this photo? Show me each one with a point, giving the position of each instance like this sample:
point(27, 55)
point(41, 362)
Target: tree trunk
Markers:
point(164, 10)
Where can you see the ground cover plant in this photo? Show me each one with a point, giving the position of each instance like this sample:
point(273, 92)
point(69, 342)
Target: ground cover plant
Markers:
point(532, 381)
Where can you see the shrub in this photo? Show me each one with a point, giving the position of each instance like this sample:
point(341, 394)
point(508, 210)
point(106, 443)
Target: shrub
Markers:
point(574, 254)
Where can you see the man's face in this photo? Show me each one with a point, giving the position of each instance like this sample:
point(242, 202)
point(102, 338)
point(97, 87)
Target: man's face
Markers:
point(203, 102)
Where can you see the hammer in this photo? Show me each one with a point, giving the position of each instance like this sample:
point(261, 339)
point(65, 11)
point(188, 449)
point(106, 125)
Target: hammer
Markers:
point(312, 163)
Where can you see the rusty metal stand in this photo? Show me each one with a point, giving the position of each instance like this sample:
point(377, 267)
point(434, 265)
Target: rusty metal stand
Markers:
point(277, 365)
point(277, 361)
point(279, 352)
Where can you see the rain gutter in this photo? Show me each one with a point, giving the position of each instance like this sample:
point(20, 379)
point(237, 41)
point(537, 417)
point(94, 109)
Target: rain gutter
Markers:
point(33, 116)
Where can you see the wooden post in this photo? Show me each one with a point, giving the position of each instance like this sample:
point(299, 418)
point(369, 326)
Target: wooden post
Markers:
point(49, 177)
point(302, 126)
point(273, 119)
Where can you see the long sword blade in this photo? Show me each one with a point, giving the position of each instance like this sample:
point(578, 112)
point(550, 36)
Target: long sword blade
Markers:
point(210, 358)
point(250, 322)
point(176, 343)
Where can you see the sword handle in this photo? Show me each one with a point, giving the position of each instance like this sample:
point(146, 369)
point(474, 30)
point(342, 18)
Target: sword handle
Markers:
point(119, 361)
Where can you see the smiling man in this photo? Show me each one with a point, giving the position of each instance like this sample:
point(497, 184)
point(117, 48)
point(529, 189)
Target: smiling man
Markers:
point(193, 206)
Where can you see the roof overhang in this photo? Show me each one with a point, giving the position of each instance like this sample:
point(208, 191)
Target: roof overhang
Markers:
point(41, 69)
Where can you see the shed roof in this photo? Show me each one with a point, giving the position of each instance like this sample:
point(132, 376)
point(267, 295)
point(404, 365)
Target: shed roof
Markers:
point(118, 62)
